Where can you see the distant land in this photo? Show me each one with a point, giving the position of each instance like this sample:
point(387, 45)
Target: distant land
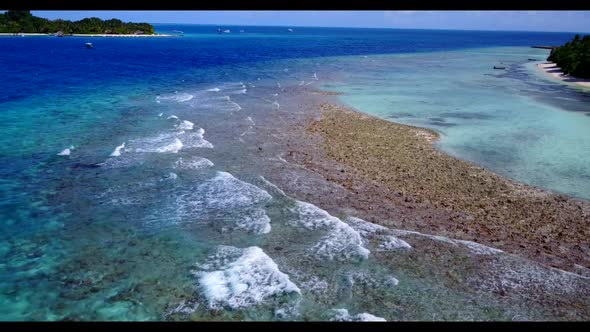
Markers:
point(573, 57)
point(23, 22)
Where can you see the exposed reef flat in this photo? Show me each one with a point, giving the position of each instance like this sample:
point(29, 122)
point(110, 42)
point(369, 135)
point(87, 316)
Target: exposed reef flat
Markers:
point(399, 179)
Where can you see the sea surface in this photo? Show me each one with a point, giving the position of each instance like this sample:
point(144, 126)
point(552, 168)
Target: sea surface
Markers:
point(129, 189)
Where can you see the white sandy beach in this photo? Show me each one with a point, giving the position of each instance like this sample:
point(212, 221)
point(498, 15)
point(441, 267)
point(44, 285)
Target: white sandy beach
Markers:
point(553, 71)
point(22, 34)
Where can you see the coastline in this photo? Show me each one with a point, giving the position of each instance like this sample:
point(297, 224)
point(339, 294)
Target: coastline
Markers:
point(395, 177)
point(551, 70)
point(80, 35)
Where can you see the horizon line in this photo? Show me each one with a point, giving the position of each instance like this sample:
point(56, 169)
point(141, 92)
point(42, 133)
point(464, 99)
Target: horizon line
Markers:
point(374, 28)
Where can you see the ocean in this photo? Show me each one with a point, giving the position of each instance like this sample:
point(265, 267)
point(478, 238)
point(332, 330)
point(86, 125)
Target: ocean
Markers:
point(133, 186)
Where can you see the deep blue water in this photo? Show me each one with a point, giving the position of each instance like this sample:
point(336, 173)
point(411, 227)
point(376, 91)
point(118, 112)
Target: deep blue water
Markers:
point(35, 65)
point(95, 236)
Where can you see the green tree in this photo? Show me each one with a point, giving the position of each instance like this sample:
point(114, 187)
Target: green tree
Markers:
point(14, 21)
point(573, 57)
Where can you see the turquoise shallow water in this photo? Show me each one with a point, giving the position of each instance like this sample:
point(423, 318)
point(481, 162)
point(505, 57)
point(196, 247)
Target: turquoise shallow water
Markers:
point(162, 210)
point(515, 122)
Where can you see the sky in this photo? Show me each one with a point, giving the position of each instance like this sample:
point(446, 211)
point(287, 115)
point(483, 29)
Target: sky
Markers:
point(558, 21)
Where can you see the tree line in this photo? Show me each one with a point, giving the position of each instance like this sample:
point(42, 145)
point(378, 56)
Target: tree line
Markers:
point(573, 57)
point(22, 21)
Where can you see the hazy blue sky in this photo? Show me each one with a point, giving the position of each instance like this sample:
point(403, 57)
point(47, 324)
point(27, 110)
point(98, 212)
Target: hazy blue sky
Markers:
point(570, 21)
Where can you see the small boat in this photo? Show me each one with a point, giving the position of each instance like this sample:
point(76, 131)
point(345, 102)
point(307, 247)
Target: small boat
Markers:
point(226, 31)
point(89, 45)
point(178, 32)
point(290, 30)
point(531, 59)
point(499, 67)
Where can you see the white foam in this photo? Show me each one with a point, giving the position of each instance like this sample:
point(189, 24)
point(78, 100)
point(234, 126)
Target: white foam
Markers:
point(383, 234)
point(241, 278)
point(279, 85)
point(250, 120)
point(479, 249)
point(401, 232)
point(222, 199)
point(171, 176)
point(276, 105)
point(365, 228)
point(224, 191)
point(184, 97)
point(473, 247)
point(185, 125)
point(255, 221)
point(177, 97)
point(315, 76)
point(160, 114)
point(186, 307)
point(391, 242)
point(301, 83)
point(314, 285)
point(236, 106)
point(192, 162)
point(163, 143)
point(308, 83)
point(65, 152)
point(117, 151)
point(172, 117)
point(195, 139)
point(341, 242)
point(272, 185)
point(214, 90)
point(342, 315)
point(234, 88)
point(218, 103)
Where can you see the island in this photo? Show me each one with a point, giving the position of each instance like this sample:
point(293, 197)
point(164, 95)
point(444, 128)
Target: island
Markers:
point(22, 22)
point(570, 62)
point(574, 57)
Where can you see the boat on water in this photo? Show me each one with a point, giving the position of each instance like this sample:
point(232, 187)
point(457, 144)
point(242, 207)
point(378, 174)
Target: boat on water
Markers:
point(89, 45)
point(499, 67)
point(290, 30)
point(178, 32)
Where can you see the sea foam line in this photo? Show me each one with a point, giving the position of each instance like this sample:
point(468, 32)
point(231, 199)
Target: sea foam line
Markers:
point(117, 151)
point(66, 152)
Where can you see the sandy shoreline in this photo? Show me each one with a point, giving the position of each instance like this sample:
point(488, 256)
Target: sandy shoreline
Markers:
point(81, 35)
point(555, 72)
point(394, 176)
